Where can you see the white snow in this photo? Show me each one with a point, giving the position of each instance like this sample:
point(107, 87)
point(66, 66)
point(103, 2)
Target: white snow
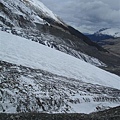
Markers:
point(43, 8)
point(34, 8)
point(24, 52)
point(13, 6)
point(115, 32)
point(90, 107)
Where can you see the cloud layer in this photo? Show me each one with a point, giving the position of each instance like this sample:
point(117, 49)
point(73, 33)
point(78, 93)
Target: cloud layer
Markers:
point(87, 15)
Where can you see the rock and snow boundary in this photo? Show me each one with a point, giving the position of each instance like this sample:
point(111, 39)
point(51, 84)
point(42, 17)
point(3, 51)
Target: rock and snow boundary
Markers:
point(21, 51)
point(36, 78)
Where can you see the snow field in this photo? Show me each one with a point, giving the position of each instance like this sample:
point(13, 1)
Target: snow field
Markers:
point(21, 51)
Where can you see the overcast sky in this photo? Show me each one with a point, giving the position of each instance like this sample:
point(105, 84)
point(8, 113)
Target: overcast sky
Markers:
point(87, 15)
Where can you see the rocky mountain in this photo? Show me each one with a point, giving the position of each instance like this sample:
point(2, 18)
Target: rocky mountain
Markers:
point(35, 78)
point(108, 38)
point(112, 45)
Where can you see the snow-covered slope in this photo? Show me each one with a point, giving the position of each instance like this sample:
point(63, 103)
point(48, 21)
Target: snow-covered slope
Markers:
point(23, 52)
point(37, 78)
point(114, 32)
point(41, 7)
point(33, 8)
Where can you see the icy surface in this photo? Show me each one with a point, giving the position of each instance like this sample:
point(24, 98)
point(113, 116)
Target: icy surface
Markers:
point(43, 8)
point(21, 51)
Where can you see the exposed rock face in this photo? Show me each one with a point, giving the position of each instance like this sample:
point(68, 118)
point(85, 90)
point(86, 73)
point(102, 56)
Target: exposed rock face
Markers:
point(23, 89)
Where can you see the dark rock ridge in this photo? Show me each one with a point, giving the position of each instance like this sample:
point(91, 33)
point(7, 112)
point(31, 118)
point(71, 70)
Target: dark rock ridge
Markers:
point(76, 33)
point(85, 39)
point(111, 114)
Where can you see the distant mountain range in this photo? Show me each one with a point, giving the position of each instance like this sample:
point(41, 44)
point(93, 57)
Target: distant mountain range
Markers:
point(104, 33)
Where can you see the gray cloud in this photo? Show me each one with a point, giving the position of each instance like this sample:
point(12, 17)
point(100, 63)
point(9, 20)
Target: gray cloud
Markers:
point(87, 15)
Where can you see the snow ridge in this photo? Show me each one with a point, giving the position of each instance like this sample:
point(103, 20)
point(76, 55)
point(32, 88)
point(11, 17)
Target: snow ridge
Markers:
point(43, 8)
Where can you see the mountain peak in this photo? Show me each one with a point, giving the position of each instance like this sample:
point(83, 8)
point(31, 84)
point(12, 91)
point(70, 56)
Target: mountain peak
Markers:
point(41, 8)
point(114, 32)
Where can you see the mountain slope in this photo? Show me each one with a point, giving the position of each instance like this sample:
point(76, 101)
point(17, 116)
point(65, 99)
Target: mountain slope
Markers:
point(37, 78)
point(113, 45)
point(37, 23)
point(30, 54)
point(33, 21)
